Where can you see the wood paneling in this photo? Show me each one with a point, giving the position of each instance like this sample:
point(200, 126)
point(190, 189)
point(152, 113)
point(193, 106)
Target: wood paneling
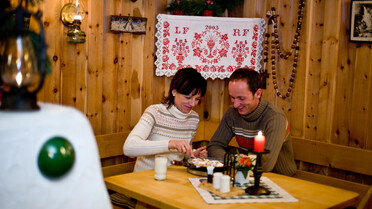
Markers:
point(111, 78)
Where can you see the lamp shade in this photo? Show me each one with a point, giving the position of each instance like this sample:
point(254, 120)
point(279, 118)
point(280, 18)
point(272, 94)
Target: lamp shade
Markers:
point(20, 64)
point(22, 73)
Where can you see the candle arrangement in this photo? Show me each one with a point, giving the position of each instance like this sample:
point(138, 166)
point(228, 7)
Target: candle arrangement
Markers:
point(230, 168)
point(257, 172)
point(259, 150)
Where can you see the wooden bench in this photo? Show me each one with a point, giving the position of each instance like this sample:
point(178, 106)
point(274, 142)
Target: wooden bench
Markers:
point(110, 148)
point(113, 160)
point(333, 156)
point(325, 155)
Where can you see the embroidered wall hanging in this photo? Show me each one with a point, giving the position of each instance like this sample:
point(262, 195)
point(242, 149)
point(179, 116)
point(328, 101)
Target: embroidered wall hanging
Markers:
point(215, 46)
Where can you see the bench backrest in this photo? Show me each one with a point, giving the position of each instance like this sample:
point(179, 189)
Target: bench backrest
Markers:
point(110, 148)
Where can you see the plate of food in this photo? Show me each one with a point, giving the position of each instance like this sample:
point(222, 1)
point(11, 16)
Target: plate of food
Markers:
point(198, 166)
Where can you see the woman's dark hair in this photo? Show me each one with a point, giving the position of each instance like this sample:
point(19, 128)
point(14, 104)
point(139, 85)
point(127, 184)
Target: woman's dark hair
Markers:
point(252, 77)
point(186, 81)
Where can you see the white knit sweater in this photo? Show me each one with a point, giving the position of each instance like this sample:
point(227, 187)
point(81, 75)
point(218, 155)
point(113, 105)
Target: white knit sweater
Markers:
point(153, 131)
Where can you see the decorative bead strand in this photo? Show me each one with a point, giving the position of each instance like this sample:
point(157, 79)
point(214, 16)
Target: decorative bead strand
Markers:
point(276, 51)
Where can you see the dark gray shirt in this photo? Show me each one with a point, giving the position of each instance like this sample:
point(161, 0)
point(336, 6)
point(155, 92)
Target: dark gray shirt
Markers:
point(267, 118)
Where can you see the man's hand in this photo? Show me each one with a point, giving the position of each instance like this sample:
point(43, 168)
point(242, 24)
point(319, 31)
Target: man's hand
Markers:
point(201, 152)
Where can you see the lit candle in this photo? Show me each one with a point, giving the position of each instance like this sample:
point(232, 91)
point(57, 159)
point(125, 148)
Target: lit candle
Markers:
point(259, 142)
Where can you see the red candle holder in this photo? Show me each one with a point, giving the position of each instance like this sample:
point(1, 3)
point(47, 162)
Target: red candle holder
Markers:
point(257, 172)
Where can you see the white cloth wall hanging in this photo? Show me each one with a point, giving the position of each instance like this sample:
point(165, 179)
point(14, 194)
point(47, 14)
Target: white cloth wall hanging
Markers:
point(215, 46)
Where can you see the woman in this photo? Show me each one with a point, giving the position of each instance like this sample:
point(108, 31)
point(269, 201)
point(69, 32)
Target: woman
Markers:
point(169, 127)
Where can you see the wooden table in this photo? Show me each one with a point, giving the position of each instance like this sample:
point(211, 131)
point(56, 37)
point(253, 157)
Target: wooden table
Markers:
point(177, 191)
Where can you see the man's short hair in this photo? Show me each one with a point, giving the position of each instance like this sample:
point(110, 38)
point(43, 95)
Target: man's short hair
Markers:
point(252, 77)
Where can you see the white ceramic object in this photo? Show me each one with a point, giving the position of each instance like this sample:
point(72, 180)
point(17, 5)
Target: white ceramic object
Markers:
point(239, 178)
point(22, 134)
point(225, 184)
point(217, 180)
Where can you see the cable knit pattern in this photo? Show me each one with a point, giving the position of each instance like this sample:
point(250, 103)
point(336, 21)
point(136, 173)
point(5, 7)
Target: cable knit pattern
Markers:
point(272, 122)
point(153, 131)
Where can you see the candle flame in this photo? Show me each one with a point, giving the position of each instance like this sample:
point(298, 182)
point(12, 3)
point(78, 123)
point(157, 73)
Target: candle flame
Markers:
point(260, 133)
point(77, 2)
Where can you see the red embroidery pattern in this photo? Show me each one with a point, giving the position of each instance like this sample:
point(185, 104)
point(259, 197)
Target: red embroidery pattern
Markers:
point(180, 50)
point(240, 51)
point(210, 46)
point(166, 42)
point(254, 47)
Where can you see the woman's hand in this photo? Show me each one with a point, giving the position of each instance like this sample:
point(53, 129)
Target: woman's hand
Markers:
point(201, 152)
point(182, 146)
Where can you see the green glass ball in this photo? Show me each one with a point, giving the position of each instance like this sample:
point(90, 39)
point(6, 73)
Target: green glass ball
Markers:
point(56, 157)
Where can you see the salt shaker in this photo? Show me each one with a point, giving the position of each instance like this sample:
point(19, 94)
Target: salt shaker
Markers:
point(161, 164)
point(210, 174)
point(225, 184)
point(217, 180)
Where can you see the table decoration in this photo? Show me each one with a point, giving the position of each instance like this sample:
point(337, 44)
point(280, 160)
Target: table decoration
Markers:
point(217, 180)
point(215, 46)
point(234, 191)
point(210, 173)
point(258, 189)
point(277, 194)
point(225, 184)
point(243, 164)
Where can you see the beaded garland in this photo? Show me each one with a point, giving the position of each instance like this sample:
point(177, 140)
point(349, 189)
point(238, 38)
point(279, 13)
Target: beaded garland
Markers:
point(276, 51)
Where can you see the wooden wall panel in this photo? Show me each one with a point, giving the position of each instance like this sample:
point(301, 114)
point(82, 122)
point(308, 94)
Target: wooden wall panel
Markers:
point(294, 106)
point(314, 11)
point(148, 55)
point(287, 11)
point(328, 69)
point(95, 64)
point(137, 69)
point(367, 132)
point(52, 86)
point(345, 74)
point(125, 72)
point(111, 63)
point(111, 77)
point(360, 99)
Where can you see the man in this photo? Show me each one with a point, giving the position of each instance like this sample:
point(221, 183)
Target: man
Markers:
point(251, 113)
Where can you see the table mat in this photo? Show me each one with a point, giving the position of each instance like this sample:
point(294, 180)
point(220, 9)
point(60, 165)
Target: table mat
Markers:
point(277, 193)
